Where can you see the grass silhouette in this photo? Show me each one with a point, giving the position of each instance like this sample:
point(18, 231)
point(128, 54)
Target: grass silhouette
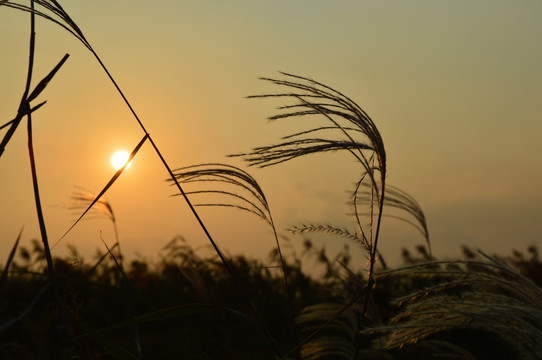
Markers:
point(190, 306)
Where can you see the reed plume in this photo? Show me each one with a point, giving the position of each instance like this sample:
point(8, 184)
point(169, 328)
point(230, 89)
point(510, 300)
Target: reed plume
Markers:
point(346, 127)
point(479, 295)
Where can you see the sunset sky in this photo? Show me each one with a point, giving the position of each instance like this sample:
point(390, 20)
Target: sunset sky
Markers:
point(454, 86)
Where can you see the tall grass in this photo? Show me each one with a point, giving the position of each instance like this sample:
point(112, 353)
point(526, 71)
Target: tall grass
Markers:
point(476, 295)
point(354, 319)
point(245, 194)
point(339, 125)
point(53, 11)
point(81, 199)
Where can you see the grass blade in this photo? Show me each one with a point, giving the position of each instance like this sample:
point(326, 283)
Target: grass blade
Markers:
point(106, 187)
point(45, 81)
point(41, 219)
point(30, 112)
point(24, 107)
point(4, 276)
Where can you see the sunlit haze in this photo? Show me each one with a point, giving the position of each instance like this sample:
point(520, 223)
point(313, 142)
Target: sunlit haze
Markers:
point(119, 159)
point(453, 86)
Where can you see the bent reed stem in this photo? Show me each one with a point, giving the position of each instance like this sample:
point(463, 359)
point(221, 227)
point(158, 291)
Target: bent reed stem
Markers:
point(189, 203)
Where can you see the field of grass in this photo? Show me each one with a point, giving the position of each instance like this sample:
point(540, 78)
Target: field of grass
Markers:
point(189, 306)
point(186, 306)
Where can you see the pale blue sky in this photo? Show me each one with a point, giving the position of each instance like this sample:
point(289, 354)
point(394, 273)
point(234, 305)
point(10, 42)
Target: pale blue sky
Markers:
point(454, 87)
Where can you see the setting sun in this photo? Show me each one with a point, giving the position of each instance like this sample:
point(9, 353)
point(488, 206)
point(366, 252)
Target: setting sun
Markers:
point(119, 159)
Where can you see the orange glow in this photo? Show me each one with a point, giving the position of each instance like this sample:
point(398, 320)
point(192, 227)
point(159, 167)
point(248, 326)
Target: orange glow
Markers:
point(119, 159)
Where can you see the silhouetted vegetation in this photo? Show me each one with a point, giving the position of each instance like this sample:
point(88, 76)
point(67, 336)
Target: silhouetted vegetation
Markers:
point(189, 306)
point(195, 314)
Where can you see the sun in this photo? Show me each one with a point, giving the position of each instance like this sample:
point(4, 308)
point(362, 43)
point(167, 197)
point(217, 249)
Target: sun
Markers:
point(119, 159)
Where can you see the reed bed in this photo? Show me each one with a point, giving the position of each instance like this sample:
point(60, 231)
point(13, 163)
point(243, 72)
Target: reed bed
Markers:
point(190, 306)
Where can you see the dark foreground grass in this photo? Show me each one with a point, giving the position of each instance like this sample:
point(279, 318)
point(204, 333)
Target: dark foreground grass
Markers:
point(183, 304)
point(183, 307)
